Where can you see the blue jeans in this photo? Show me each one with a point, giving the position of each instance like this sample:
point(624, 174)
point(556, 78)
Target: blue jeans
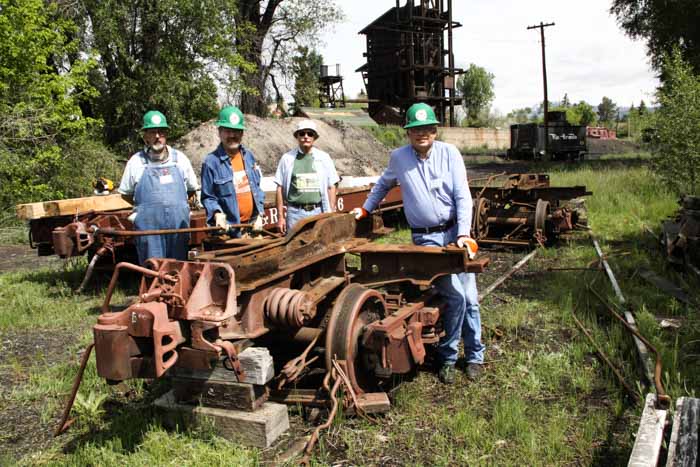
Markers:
point(461, 319)
point(294, 215)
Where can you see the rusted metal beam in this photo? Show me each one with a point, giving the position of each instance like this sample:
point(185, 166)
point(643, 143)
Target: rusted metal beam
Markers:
point(631, 392)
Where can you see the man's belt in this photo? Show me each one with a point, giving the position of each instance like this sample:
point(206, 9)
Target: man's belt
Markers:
point(435, 228)
point(305, 207)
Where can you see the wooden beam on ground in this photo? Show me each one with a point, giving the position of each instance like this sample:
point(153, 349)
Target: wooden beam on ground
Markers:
point(683, 446)
point(70, 207)
point(647, 444)
point(220, 394)
point(260, 428)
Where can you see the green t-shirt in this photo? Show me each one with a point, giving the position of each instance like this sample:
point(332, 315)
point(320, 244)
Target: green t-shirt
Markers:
point(306, 186)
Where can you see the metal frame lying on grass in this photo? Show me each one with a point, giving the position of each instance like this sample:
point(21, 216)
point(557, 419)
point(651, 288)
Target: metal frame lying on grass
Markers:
point(328, 324)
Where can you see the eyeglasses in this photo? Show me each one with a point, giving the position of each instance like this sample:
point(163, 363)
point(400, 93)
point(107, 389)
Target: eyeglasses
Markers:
point(157, 132)
point(302, 133)
point(423, 130)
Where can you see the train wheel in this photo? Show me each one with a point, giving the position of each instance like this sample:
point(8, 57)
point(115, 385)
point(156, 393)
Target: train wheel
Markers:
point(355, 307)
point(481, 224)
point(541, 215)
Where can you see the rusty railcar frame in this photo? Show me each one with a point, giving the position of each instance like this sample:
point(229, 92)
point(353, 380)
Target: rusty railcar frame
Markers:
point(375, 316)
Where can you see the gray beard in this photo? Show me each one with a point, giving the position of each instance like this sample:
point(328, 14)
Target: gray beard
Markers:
point(157, 152)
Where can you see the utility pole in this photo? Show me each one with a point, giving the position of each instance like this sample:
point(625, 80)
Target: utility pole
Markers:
point(541, 27)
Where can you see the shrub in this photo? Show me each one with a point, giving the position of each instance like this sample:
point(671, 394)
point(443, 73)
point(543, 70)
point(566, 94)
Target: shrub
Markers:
point(677, 146)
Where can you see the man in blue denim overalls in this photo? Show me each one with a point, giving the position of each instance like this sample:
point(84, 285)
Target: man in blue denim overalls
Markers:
point(158, 181)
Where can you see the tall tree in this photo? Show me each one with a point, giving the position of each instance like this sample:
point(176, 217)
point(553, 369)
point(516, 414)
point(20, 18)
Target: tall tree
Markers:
point(158, 54)
point(523, 115)
point(565, 102)
point(47, 150)
point(581, 114)
point(306, 66)
point(677, 147)
point(476, 88)
point(663, 24)
point(642, 107)
point(607, 110)
point(268, 33)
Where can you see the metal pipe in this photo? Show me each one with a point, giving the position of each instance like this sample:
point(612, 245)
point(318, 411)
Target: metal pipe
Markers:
point(488, 241)
point(110, 231)
point(132, 267)
point(641, 351)
point(663, 399)
point(64, 424)
point(604, 357)
point(508, 220)
point(505, 277)
point(88, 273)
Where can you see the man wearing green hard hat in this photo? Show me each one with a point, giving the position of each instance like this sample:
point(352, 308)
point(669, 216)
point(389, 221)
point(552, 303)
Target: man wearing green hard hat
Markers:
point(158, 180)
point(438, 207)
point(231, 192)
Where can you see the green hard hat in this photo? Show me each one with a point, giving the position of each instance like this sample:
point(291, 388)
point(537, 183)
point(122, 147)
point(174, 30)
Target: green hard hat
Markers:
point(231, 117)
point(420, 114)
point(154, 119)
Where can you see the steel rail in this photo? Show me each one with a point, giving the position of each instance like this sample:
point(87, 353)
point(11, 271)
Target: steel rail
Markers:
point(641, 350)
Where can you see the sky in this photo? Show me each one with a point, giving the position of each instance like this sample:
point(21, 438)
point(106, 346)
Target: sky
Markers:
point(588, 55)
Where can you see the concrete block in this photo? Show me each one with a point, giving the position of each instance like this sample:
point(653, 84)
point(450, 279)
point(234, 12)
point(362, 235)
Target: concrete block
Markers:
point(259, 429)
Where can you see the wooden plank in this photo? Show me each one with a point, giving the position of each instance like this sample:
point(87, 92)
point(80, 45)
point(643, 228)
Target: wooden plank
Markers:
point(647, 444)
point(224, 395)
point(69, 207)
point(260, 428)
point(30, 211)
point(683, 446)
point(374, 402)
point(256, 363)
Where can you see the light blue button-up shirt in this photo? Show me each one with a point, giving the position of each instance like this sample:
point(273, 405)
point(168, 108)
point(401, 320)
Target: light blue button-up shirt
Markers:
point(434, 190)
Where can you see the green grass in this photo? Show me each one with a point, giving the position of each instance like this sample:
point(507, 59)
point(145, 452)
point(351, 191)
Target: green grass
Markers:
point(545, 398)
point(15, 235)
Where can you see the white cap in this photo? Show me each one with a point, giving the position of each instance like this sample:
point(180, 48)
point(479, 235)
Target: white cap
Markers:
point(306, 125)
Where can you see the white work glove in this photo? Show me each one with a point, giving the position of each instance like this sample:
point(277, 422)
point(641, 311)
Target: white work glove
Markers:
point(258, 224)
point(220, 220)
point(468, 243)
point(359, 213)
point(132, 216)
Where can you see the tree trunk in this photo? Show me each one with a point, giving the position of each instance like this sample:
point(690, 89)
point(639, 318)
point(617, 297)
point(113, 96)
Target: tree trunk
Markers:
point(254, 103)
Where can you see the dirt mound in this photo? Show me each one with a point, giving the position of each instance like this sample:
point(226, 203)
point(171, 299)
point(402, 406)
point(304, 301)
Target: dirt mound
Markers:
point(611, 146)
point(355, 151)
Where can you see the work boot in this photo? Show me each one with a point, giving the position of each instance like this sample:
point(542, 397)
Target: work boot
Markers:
point(447, 374)
point(474, 371)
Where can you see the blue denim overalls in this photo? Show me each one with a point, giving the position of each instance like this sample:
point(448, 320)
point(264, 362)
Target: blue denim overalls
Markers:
point(161, 201)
